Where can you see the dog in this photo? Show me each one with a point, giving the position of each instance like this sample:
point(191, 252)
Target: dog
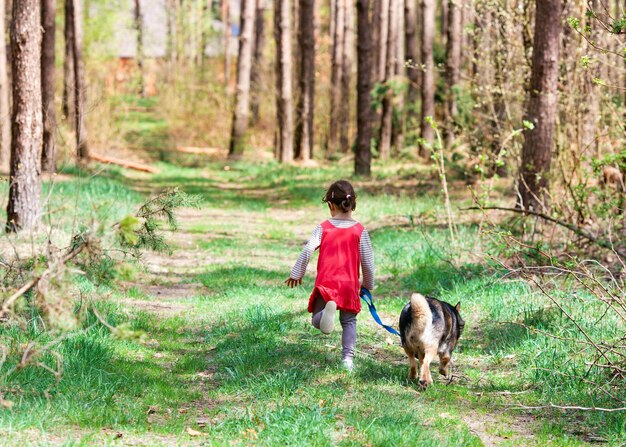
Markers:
point(429, 327)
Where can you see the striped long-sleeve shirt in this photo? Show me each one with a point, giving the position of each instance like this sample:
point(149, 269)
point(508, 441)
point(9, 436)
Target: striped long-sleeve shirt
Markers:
point(365, 248)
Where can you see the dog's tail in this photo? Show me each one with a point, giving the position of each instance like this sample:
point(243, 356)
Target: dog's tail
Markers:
point(422, 315)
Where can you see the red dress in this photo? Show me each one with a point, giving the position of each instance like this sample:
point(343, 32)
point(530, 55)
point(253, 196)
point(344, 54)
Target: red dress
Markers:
point(338, 267)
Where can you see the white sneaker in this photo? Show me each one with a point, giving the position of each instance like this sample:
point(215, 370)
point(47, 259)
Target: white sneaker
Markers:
point(327, 323)
point(348, 364)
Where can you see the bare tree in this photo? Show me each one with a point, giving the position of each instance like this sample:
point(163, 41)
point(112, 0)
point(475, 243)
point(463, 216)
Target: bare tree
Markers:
point(172, 32)
point(68, 66)
point(76, 18)
point(24, 207)
point(303, 146)
point(336, 73)
point(411, 55)
point(284, 110)
point(244, 66)
point(257, 64)
point(428, 79)
point(5, 122)
point(541, 108)
point(591, 103)
point(49, 155)
point(226, 23)
point(139, 54)
point(453, 65)
point(363, 156)
point(346, 75)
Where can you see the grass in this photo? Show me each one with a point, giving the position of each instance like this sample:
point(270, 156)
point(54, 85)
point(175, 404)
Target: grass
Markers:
point(238, 355)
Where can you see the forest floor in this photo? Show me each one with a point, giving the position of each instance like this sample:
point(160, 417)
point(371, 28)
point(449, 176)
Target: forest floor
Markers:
point(225, 353)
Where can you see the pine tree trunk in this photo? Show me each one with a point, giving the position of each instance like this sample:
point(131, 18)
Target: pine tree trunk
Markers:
point(383, 43)
point(244, 66)
point(428, 80)
point(453, 65)
point(398, 123)
point(82, 148)
point(24, 206)
point(49, 155)
point(5, 111)
point(363, 156)
point(139, 55)
point(390, 69)
point(257, 66)
point(68, 66)
point(376, 35)
point(346, 76)
point(336, 74)
point(445, 20)
point(412, 58)
point(226, 23)
point(284, 109)
point(306, 93)
point(591, 103)
point(541, 109)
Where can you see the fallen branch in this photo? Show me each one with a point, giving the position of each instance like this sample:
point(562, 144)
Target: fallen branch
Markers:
point(573, 228)
point(124, 163)
point(566, 407)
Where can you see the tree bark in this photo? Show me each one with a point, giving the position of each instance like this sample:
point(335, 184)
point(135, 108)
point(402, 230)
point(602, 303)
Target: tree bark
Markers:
point(411, 55)
point(68, 66)
point(82, 148)
point(363, 156)
point(257, 68)
point(591, 105)
point(383, 43)
point(306, 93)
point(428, 79)
point(139, 55)
point(244, 66)
point(541, 108)
point(24, 207)
point(284, 110)
point(226, 23)
point(5, 111)
point(453, 65)
point(49, 152)
point(336, 74)
point(346, 76)
point(390, 69)
point(399, 117)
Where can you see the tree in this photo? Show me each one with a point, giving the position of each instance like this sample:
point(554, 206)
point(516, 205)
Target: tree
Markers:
point(453, 65)
point(390, 71)
point(226, 23)
point(428, 79)
point(336, 73)
point(68, 65)
point(346, 75)
point(242, 95)
point(5, 124)
point(303, 147)
point(363, 156)
point(541, 108)
point(75, 17)
point(24, 207)
point(257, 65)
point(49, 155)
point(411, 55)
point(284, 110)
point(139, 55)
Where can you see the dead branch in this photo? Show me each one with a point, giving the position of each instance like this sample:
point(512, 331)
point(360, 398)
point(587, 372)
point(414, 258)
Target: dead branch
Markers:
point(124, 163)
point(565, 407)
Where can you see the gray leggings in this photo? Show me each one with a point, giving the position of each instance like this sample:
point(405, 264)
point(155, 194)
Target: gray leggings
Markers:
point(348, 324)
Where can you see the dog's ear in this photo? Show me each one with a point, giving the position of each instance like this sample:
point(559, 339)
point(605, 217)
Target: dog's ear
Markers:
point(458, 306)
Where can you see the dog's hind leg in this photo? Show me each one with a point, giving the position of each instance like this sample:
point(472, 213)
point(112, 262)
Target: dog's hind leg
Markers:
point(412, 364)
point(425, 377)
point(444, 362)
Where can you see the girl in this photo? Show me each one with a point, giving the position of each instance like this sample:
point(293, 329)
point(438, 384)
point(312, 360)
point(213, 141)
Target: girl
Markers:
point(344, 246)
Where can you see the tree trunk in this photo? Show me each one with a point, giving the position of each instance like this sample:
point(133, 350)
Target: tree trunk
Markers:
point(411, 55)
point(5, 111)
point(428, 80)
point(445, 21)
point(82, 148)
point(399, 117)
point(257, 71)
point(68, 66)
point(226, 24)
point(390, 69)
point(363, 156)
point(24, 207)
point(336, 74)
point(541, 108)
point(284, 110)
point(244, 66)
point(346, 76)
point(383, 43)
point(139, 55)
point(376, 35)
point(306, 94)
point(590, 103)
point(49, 153)
point(453, 64)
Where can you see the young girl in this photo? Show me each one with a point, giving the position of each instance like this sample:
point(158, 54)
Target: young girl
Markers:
point(344, 247)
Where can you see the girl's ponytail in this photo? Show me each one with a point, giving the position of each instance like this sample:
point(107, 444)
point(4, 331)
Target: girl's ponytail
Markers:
point(341, 193)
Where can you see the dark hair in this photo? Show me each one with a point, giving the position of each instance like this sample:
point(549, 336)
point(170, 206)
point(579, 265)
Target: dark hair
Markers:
point(341, 193)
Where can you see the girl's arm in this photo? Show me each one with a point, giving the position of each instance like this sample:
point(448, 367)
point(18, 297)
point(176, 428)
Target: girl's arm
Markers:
point(299, 269)
point(367, 261)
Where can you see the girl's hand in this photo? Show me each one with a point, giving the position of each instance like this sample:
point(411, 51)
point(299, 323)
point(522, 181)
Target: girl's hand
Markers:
point(293, 282)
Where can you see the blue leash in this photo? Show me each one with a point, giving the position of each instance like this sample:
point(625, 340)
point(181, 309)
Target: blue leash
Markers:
point(366, 296)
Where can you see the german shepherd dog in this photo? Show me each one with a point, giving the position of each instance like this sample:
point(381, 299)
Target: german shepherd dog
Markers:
point(429, 327)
